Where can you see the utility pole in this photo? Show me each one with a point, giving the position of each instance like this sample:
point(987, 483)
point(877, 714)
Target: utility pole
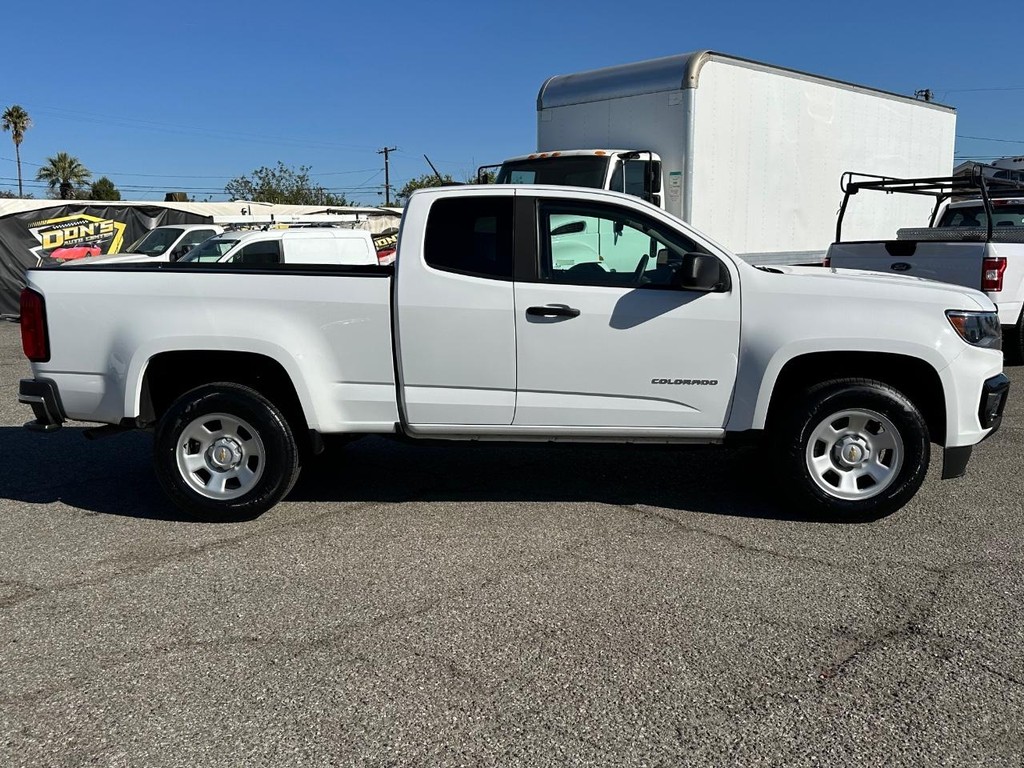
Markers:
point(387, 173)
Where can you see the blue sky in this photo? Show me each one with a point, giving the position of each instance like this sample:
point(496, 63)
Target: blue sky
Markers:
point(187, 95)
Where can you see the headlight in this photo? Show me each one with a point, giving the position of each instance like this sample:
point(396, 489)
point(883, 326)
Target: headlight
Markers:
point(980, 329)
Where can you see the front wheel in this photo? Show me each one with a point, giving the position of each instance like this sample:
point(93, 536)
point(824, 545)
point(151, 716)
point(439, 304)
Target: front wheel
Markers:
point(225, 453)
point(853, 450)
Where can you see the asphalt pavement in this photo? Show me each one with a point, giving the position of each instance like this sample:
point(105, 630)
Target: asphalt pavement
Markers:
point(478, 605)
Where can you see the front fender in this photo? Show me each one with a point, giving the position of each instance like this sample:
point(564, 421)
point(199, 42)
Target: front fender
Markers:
point(752, 402)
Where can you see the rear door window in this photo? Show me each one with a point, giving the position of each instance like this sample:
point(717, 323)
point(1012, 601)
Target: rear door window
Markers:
point(471, 236)
point(259, 254)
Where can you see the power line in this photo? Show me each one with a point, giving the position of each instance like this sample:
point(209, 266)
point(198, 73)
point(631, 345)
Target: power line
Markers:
point(973, 90)
point(162, 127)
point(987, 138)
point(188, 176)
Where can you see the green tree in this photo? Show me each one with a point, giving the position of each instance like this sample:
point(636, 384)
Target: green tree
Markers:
point(423, 182)
point(104, 189)
point(7, 194)
point(64, 175)
point(16, 120)
point(281, 184)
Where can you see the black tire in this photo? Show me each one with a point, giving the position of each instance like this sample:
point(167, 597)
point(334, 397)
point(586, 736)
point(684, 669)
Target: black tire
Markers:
point(224, 453)
point(1013, 342)
point(852, 450)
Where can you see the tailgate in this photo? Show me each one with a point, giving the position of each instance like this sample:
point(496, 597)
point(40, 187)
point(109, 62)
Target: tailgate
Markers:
point(957, 263)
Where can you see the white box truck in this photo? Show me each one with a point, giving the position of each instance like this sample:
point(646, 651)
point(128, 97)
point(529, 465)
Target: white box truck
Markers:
point(748, 152)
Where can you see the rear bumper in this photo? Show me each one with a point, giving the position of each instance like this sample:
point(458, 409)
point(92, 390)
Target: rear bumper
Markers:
point(44, 398)
point(990, 414)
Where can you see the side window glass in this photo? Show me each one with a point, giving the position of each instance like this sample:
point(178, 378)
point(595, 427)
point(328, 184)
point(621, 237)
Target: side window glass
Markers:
point(628, 177)
point(195, 237)
point(600, 245)
point(260, 254)
point(471, 236)
point(635, 177)
point(616, 184)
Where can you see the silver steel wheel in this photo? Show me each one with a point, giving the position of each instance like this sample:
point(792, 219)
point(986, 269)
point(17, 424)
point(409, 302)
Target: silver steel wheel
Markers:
point(220, 456)
point(854, 454)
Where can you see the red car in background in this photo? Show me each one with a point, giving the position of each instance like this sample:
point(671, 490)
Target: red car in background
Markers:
point(75, 252)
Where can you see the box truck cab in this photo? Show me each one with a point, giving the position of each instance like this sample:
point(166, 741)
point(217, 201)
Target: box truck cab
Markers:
point(635, 172)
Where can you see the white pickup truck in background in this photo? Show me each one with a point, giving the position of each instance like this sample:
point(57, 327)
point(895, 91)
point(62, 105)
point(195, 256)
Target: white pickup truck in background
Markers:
point(167, 242)
point(975, 238)
point(491, 326)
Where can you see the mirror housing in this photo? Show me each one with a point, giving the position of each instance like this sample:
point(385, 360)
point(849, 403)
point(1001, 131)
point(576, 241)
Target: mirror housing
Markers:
point(700, 272)
point(653, 177)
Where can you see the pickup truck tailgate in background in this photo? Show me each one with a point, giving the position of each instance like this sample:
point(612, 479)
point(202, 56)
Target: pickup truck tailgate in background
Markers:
point(957, 263)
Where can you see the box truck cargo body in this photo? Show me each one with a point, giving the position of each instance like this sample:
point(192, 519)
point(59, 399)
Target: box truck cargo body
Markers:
point(749, 153)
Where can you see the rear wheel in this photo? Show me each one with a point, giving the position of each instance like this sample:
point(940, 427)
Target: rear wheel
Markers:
point(223, 453)
point(853, 450)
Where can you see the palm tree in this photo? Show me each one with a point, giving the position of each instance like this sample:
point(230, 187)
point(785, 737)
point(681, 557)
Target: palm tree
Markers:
point(16, 120)
point(64, 173)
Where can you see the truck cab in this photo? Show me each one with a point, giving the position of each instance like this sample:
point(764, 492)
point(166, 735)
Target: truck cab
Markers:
point(632, 171)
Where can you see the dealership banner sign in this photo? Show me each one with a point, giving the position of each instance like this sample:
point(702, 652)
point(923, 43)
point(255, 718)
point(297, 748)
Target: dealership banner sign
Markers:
point(66, 232)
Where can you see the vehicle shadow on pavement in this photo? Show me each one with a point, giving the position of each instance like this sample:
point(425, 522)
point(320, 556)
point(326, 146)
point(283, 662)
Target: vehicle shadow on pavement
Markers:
point(114, 475)
point(714, 480)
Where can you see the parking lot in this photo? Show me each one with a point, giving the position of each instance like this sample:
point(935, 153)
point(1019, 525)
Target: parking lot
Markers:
point(503, 605)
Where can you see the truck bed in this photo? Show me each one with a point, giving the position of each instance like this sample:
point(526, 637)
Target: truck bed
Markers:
point(105, 323)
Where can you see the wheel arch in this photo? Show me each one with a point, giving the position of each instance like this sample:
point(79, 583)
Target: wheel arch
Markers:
point(168, 375)
point(915, 378)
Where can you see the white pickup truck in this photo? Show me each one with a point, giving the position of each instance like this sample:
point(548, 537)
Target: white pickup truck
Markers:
point(167, 242)
point(482, 331)
point(975, 238)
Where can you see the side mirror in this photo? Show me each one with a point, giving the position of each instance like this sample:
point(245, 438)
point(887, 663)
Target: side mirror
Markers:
point(699, 272)
point(653, 177)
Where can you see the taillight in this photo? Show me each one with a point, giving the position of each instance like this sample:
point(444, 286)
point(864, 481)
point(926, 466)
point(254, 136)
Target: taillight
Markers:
point(992, 269)
point(827, 262)
point(34, 339)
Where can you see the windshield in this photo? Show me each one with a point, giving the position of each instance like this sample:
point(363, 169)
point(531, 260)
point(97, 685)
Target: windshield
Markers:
point(210, 250)
point(587, 171)
point(155, 242)
point(1003, 215)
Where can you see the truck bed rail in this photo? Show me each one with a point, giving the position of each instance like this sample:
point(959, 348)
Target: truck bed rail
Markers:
point(980, 182)
point(961, 234)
